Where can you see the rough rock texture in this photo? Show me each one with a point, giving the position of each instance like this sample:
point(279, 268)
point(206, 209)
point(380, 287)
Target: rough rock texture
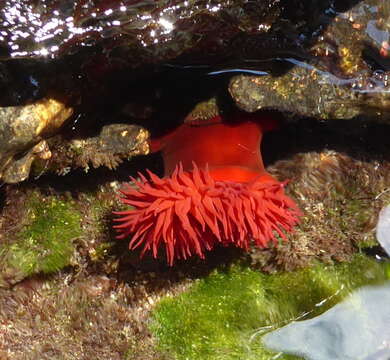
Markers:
point(341, 198)
point(114, 144)
point(310, 92)
point(344, 72)
point(23, 128)
point(340, 179)
point(85, 318)
point(152, 63)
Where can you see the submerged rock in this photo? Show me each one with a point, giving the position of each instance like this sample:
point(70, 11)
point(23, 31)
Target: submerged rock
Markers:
point(341, 74)
point(136, 31)
point(42, 237)
point(19, 169)
point(311, 92)
point(23, 148)
point(222, 315)
point(114, 144)
point(22, 130)
point(357, 328)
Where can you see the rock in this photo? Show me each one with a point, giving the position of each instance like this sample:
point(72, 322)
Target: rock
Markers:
point(324, 59)
point(136, 30)
point(22, 128)
point(43, 240)
point(19, 170)
point(357, 328)
point(27, 142)
point(114, 144)
point(343, 74)
point(311, 92)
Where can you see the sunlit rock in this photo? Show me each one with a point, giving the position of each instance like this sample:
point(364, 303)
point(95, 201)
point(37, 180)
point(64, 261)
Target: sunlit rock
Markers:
point(22, 128)
point(19, 169)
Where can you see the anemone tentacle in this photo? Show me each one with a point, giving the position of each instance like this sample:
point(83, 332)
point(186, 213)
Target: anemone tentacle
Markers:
point(190, 213)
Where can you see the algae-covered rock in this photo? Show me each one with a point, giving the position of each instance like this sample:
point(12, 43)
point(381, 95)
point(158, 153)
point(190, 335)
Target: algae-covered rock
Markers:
point(114, 144)
point(89, 318)
point(158, 64)
point(43, 241)
point(19, 169)
point(19, 156)
point(341, 198)
point(222, 315)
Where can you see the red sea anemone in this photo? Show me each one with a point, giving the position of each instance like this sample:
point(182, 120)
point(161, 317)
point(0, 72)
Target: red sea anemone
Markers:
point(215, 191)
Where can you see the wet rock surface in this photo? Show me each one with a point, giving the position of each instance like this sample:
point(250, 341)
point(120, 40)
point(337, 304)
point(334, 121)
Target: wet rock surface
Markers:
point(114, 144)
point(309, 92)
point(102, 283)
point(139, 31)
point(23, 128)
point(343, 73)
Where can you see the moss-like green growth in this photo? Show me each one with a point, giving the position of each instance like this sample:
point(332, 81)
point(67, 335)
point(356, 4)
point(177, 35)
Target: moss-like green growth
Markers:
point(45, 244)
point(219, 317)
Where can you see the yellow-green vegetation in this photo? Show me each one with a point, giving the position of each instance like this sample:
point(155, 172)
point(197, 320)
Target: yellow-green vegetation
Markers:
point(45, 243)
point(218, 318)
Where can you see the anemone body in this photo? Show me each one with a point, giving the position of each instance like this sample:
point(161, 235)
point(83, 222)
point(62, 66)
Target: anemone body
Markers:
point(215, 191)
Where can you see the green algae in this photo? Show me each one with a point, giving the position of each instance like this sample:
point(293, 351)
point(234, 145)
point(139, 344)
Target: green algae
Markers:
point(222, 316)
point(45, 243)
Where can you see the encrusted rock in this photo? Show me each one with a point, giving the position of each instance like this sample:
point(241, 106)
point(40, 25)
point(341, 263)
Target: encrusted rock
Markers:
point(310, 92)
point(23, 127)
point(203, 111)
point(19, 170)
point(342, 74)
point(115, 143)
